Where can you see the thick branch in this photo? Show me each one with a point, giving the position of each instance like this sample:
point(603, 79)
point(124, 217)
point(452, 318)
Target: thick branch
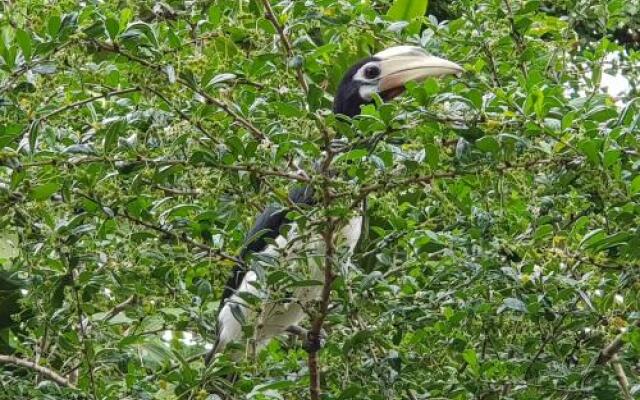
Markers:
point(329, 276)
point(44, 371)
point(623, 381)
point(318, 322)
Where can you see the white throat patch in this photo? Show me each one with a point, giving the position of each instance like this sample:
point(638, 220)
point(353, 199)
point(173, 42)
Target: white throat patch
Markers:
point(366, 91)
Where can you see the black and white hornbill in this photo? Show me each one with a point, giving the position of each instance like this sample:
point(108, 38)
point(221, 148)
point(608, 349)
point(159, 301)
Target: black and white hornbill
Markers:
point(385, 73)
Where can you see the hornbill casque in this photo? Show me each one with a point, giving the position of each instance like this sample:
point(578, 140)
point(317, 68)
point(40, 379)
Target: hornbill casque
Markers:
point(385, 73)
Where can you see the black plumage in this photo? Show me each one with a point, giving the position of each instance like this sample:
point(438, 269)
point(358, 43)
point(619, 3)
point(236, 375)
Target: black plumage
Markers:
point(267, 227)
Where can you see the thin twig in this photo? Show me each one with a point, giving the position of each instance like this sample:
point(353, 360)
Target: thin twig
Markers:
point(87, 101)
point(285, 41)
point(165, 162)
point(516, 36)
point(488, 53)
point(176, 192)
point(184, 116)
point(27, 66)
point(119, 308)
point(209, 99)
point(44, 371)
point(81, 323)
point(552, 335)
point(389, 184)
point(77, 104)
point(175, 236)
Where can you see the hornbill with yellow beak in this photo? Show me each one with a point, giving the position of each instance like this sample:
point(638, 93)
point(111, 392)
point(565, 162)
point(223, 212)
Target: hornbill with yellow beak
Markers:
point(385, 74)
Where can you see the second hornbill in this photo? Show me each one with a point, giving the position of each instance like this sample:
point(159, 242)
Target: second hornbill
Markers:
point(385, 74)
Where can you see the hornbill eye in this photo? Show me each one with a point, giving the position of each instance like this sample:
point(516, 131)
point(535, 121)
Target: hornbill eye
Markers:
point(371, 71)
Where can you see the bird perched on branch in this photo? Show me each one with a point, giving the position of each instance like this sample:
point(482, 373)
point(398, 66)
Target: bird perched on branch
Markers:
point(385, 74)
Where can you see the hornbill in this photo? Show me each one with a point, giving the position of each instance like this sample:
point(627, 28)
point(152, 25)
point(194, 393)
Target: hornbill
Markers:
point(385, 74)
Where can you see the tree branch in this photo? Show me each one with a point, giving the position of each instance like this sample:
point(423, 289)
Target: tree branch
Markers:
point(175, 236)
point(8, 82)
point(80, 103)
point(610, 350)
point(184, 116)
point(164, 162)
point(329, 276)
point(44, 371)
point(87, 101)
point(118, 308)
point(318, 322)
point(209, 99)
point(285, 41)
point(389, 184)
point(516, 36)
point(623, 381)
point(84, 335)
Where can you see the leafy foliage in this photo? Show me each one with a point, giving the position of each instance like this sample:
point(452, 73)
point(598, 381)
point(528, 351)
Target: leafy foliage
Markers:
point(138, 140)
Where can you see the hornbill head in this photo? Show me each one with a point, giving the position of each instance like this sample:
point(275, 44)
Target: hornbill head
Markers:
point(386, 73)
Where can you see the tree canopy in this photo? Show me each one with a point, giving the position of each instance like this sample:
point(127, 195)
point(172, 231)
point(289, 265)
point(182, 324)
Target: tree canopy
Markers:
point(139, 140)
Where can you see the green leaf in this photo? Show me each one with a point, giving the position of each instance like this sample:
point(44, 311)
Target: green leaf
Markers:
point(406, 10)
point(593, 237)
point(155, 351)
point(488, 144)
point(221, 78)
point(432, 154)
point(591, 148)
point(215, 14)
point(136, 29)
point(9, 245)
point(471, 357)
point(113, 27)
point(543, 232)
point(353, 155)
point(514, 304)
point(9, 133)
point(567, 120)
point(611, 158)
point(45, 69)
point(24, 41)
point(44, 192)
point(270, 386)
point(634, 186)
point(173, 311)
point(431, 86)
point(53, 25)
